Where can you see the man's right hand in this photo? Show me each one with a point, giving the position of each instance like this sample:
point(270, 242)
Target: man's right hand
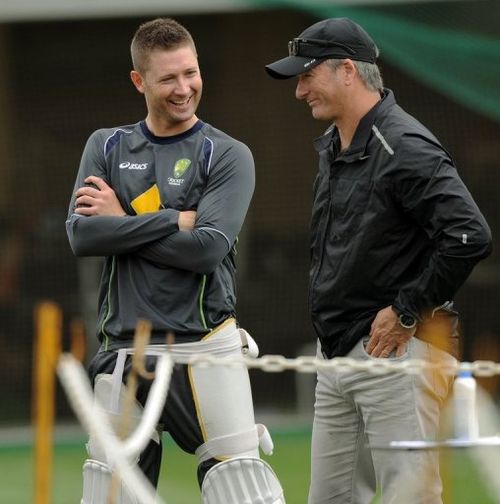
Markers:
point(97, 198)
point(186, 220)
point(386, 335)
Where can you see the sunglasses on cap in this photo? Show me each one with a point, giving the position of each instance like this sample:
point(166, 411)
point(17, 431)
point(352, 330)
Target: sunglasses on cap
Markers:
point(313, 47)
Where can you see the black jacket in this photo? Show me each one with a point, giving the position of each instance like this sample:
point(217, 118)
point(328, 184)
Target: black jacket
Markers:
point(392, 224)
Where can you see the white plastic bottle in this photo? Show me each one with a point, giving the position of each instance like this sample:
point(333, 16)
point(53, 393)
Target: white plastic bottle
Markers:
point(464, 406)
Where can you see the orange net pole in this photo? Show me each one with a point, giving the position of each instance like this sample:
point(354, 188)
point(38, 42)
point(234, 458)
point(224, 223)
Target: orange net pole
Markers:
point(48, 329)
point(78, 339)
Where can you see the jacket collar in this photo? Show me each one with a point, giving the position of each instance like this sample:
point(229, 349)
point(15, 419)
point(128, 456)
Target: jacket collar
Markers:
point(363, 132)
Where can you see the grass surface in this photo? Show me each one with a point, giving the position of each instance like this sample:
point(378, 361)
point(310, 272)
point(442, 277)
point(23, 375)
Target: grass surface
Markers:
point(178, 479)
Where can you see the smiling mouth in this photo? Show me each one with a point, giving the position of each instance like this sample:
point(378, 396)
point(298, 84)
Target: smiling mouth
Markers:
point(181, 103)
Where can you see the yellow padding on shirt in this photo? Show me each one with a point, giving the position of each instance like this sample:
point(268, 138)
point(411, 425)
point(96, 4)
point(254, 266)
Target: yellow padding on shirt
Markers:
point(148, 201)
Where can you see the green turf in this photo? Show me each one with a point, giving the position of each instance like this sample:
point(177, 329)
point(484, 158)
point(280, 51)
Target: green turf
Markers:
point(178, 479)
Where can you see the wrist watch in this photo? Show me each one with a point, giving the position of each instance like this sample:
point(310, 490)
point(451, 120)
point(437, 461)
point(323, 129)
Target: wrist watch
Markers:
point(407, 321)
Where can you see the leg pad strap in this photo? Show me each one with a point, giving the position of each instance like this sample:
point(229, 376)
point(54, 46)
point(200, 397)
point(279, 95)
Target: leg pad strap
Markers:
point(235, 445)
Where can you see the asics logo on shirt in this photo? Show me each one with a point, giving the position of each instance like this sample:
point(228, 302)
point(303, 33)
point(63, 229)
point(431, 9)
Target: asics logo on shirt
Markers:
point(133, 166)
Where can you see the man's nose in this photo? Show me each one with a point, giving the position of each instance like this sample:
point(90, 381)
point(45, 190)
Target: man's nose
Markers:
point(300, 90)
point(183, 86)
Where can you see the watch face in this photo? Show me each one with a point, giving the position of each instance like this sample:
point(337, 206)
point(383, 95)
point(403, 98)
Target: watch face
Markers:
point(407, 321)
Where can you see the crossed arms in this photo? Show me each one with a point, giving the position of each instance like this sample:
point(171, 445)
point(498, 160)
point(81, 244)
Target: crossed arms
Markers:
point(192, 240)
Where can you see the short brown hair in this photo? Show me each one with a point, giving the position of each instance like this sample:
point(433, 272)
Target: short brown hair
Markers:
point(158, 34)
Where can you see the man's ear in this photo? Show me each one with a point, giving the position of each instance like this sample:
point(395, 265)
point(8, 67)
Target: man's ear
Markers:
point(350, 71)
point(137, 80)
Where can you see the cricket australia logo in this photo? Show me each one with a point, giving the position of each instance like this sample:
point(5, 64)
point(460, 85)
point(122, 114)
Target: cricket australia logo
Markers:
point(179, 169)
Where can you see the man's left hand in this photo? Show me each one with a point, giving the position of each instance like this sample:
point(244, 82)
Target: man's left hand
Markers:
point(387, 335)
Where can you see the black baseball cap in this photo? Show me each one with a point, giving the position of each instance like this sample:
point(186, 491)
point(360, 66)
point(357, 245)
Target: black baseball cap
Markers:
point(338, 38)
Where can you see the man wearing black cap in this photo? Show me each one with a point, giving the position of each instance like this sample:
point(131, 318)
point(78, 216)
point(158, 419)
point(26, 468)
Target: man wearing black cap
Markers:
point(395, 233)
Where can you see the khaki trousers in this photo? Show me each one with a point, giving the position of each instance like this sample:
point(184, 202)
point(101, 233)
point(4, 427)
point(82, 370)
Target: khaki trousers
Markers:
point(356, 409)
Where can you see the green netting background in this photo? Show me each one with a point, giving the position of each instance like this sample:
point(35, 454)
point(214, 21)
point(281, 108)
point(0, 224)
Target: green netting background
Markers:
point(437, 43)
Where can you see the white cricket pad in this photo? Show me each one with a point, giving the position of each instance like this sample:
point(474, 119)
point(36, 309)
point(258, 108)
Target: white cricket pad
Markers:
point(96, 485)
point(97, 475)
point(242, 480)
point(111, 401)
point(223, 400)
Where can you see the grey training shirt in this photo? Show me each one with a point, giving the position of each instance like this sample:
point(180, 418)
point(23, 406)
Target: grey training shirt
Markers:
point(178, 280)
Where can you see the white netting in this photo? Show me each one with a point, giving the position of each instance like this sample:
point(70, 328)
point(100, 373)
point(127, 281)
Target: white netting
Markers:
point(307, 364)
